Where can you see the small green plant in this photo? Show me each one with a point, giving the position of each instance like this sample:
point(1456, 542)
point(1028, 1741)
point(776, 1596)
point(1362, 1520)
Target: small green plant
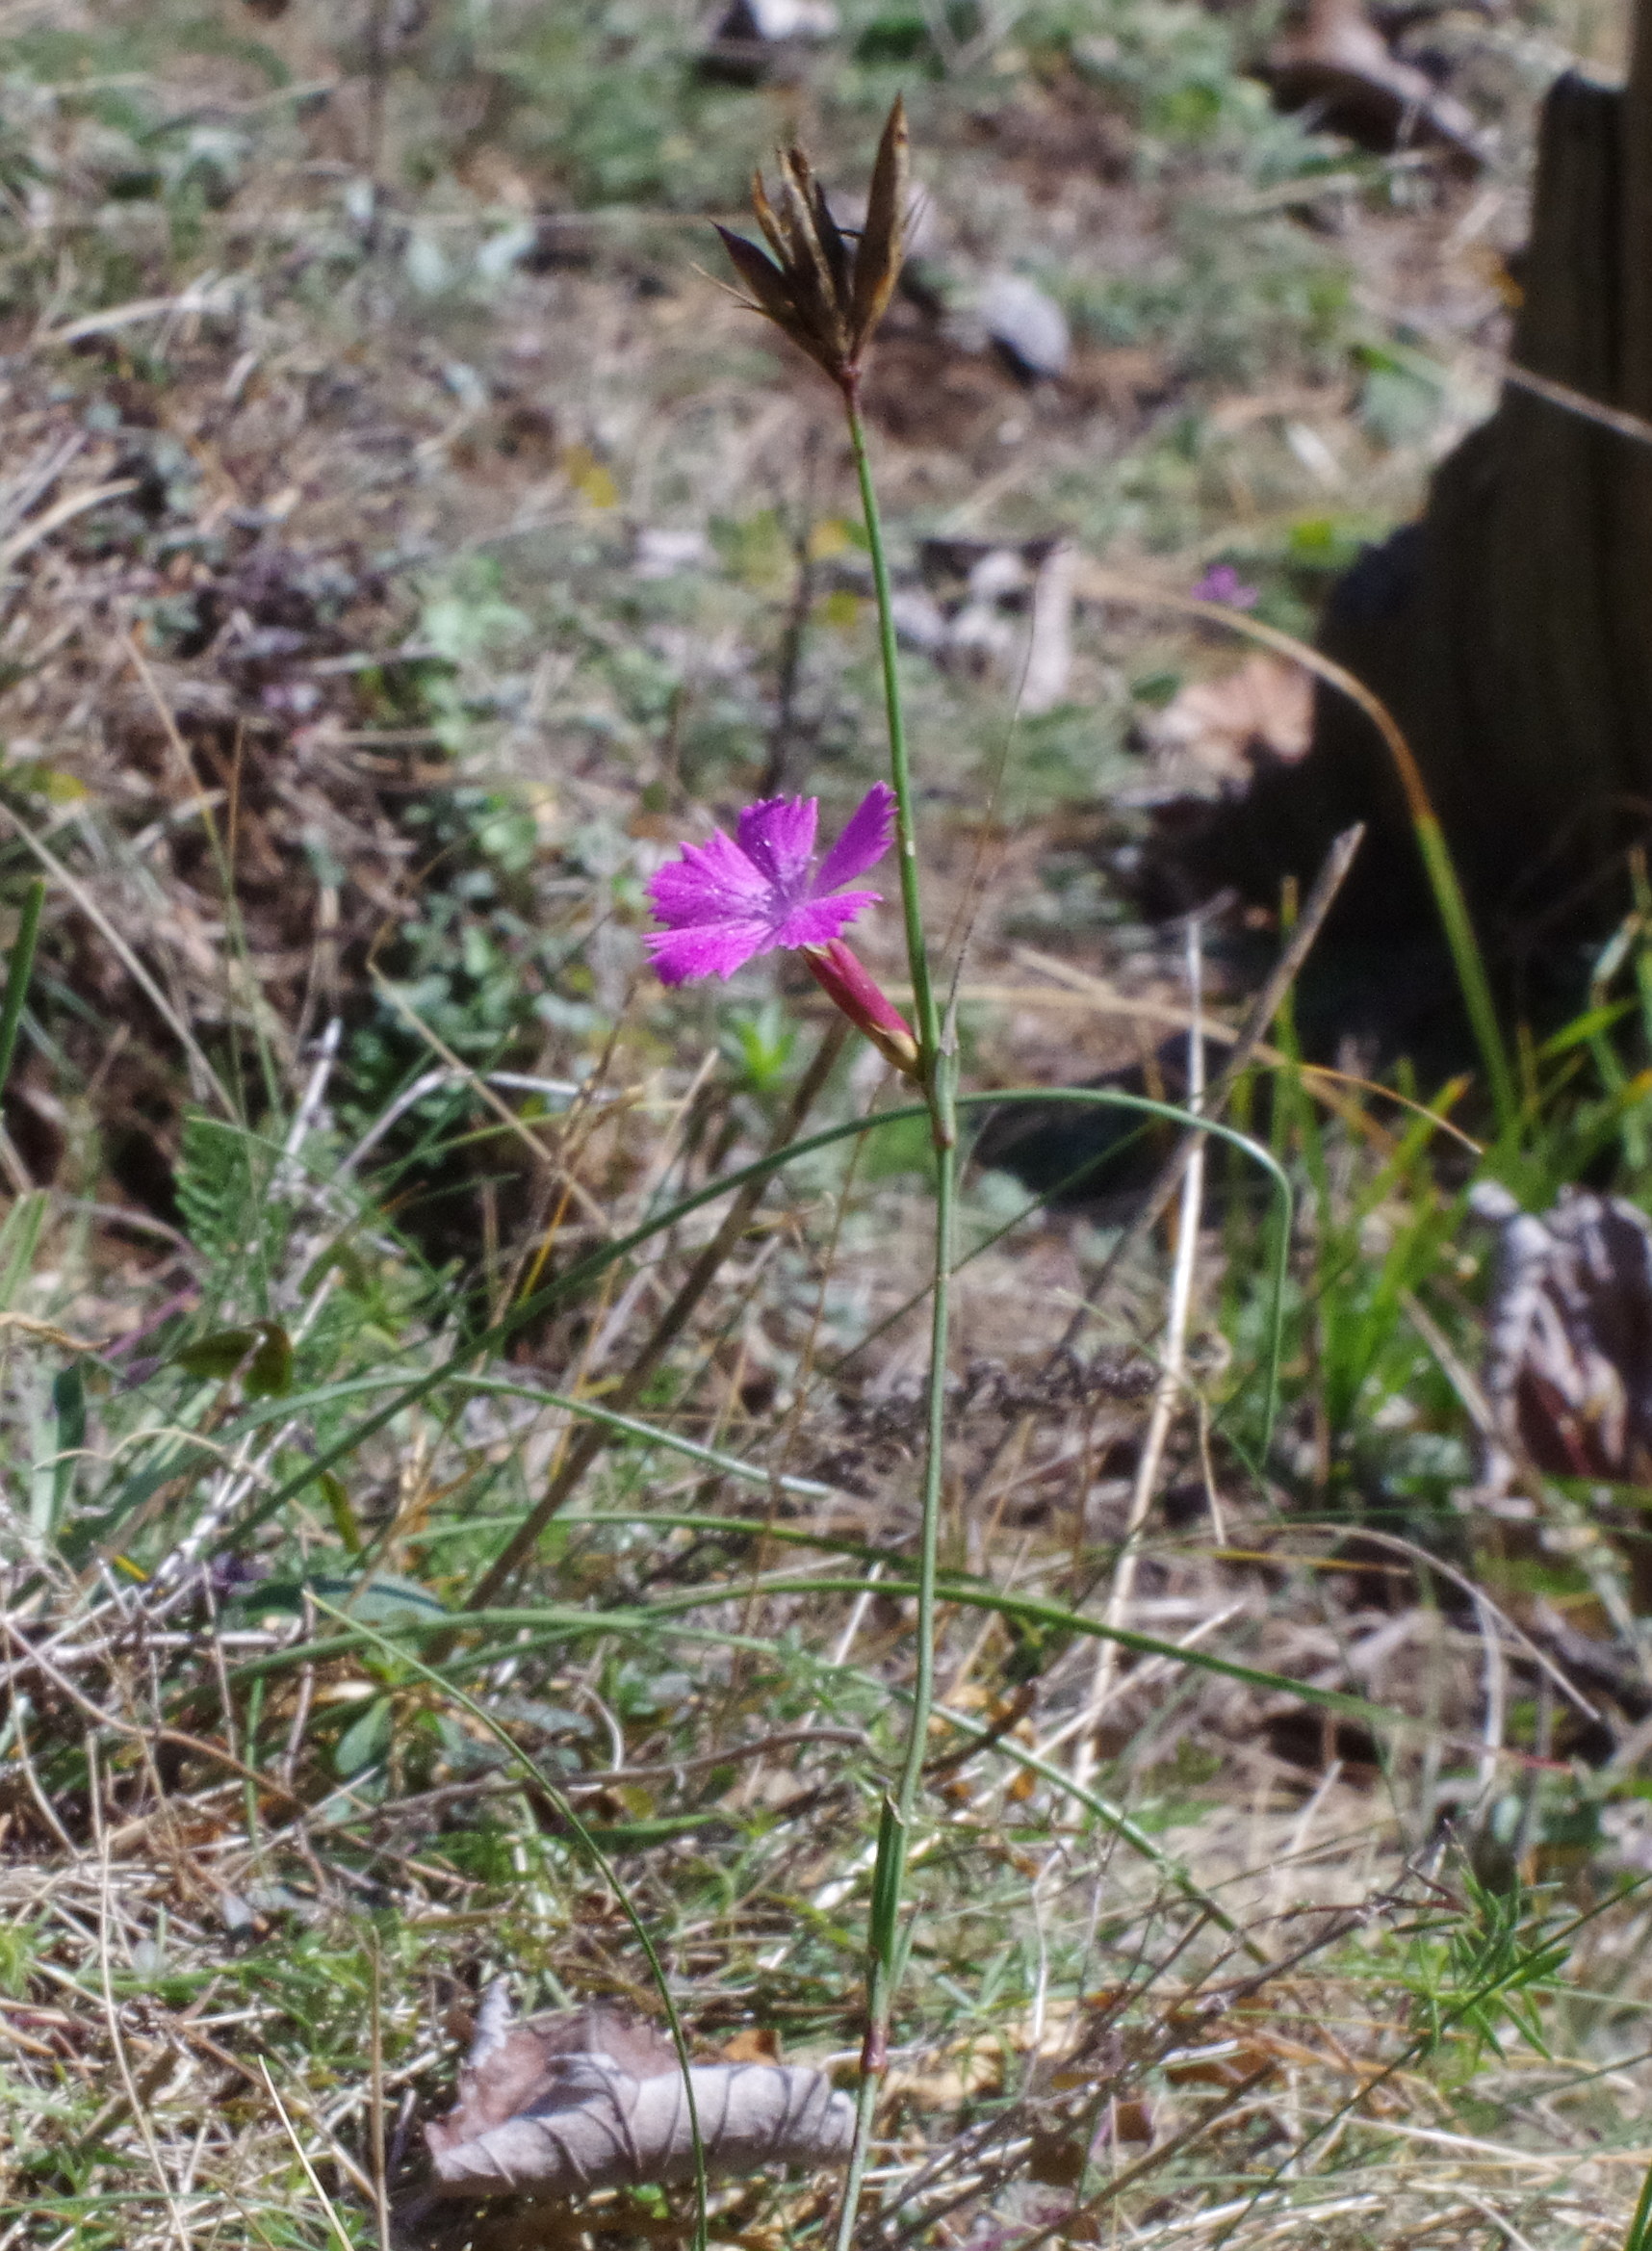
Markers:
point(1480, 1975)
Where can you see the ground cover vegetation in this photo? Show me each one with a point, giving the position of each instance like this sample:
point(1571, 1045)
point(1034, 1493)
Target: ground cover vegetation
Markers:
point(481, 1500)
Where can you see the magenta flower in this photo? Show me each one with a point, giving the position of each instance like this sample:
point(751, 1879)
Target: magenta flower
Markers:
point(731, 898)
point(1222, 582)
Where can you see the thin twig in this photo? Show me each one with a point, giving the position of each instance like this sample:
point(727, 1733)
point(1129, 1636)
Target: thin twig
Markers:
point(1168, 1392)
point(1263, 1010)
point(95, 914)
point(376, 2097)
point(304, 2157)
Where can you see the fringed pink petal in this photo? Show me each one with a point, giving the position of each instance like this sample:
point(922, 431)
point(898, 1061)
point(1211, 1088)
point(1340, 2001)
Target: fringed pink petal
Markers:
point(817, 921)
point(864, 840)
point(713, 882)
point(777, 835)
point(712, 949)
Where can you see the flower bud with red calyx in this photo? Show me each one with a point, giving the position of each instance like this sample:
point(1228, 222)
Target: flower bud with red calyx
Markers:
point(850, 987)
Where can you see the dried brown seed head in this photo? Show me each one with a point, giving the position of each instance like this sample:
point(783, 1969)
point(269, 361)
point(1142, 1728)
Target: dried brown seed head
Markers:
point(882, 246)
point(827, 299)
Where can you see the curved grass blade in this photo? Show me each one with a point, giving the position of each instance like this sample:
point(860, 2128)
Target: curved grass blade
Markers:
point(20, 968)
point(609, 1873)
point(1450, 901)
point(643, 1618)
point(578, 1277)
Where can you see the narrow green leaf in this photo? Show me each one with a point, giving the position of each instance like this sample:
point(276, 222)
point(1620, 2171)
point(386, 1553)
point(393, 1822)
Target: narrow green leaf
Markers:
point(18, 971)
point(365, 1739)
point(269, 1371)
point(216, 1357)
point(577, 1278)
point(68, 1404)
point(19, 1238)
point(337, 1498)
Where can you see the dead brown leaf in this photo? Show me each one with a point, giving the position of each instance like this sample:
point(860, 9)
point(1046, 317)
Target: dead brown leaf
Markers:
point(588, 2099)
point(1264, 710)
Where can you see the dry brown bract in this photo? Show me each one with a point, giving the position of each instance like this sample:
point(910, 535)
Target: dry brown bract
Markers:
point(586, 2098)
point(827, 301)
point(1228, 727)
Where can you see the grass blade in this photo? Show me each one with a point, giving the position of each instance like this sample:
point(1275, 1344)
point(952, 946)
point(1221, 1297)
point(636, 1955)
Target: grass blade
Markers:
point(20, 968)
point(609, 1873)
point(589, 1270)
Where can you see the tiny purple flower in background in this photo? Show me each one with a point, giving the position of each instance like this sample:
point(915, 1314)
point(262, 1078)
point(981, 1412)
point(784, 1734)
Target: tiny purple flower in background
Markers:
point(1222, 582)
point(731, 898)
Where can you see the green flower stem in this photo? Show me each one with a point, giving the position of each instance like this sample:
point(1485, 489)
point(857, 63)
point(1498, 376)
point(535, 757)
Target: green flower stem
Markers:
point(884, 1948)
point(900, 766)
point(1640, 2234)
point(1468, 962)
point(936, 1064)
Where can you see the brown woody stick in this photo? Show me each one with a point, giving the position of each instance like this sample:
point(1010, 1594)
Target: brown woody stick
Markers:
point(1251, 1033)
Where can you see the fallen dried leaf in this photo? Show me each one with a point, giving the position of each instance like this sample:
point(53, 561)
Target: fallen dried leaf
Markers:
point(1264, 710)
point(587, 2099)
point(1568, 1361)
point(1338, 64)
point(756, 2044)
point(1133, 2121)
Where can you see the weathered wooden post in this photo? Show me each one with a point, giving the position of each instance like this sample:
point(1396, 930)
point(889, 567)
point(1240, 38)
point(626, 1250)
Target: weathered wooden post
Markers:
point(1636, 288)
point(1511, 629)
